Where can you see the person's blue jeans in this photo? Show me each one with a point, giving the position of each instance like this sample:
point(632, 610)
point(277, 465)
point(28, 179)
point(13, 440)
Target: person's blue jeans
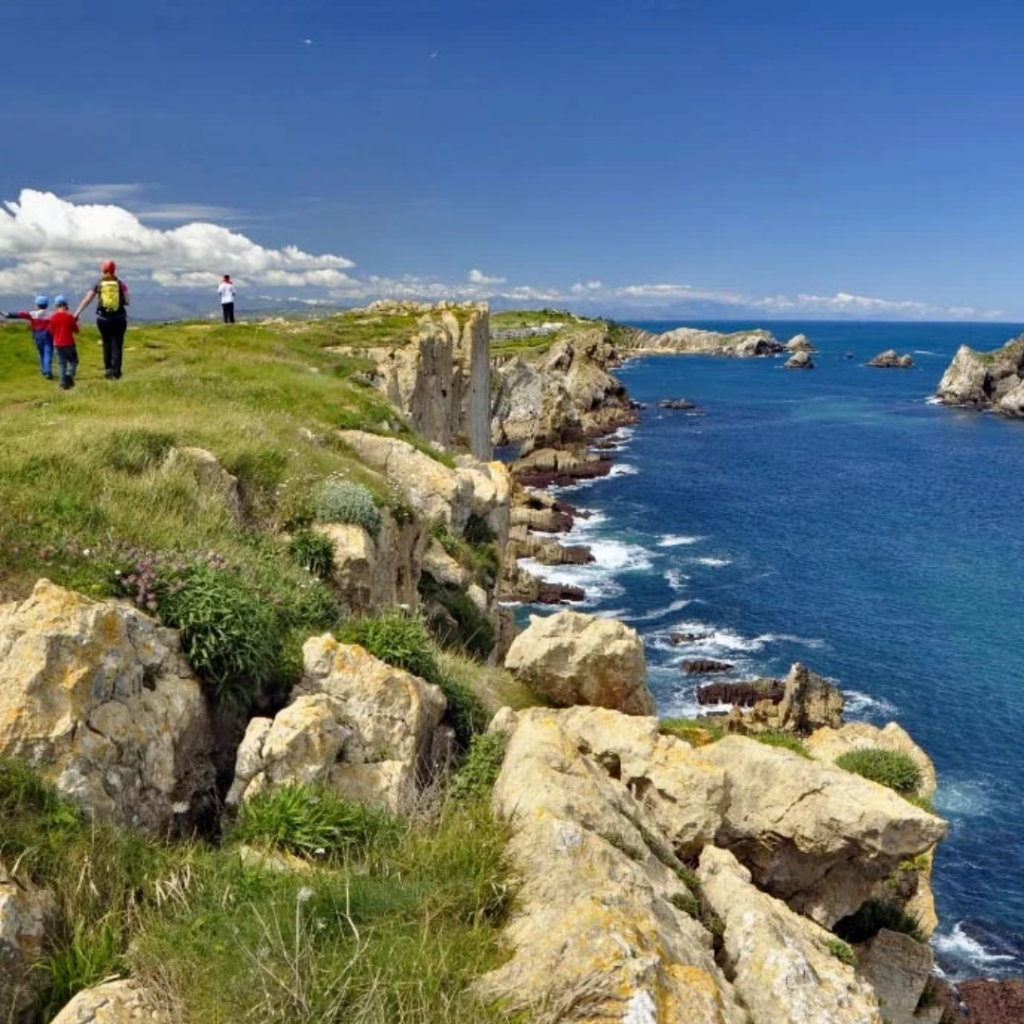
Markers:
point(67, 357)
point(45, 349)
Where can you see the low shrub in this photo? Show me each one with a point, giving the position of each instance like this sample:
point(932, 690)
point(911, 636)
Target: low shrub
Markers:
point(698, 732)
point(231, 638)
point(478, 773)
point(464, 626)
point(136, 449)
point(313, 551)
point(842, 951)
point(342, 501)
point(889, 767)
point(785, 740)
point(875, 915)
point(466, 711)
point(313, 821)
point(397, 637)
point(477, 530)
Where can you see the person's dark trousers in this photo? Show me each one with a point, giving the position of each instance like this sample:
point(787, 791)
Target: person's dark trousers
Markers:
point(229, 312)
point(67, 358)
point(112, 332)
point(45, 350)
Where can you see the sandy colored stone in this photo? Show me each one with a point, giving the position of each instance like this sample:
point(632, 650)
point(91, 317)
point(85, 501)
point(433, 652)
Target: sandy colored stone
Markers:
point(438, 564)
point(571, 658)
point(965, 380)
point(97, 697)
point(115, 1002)
point(897, 967)
point(812, 834)
point(354, 563)
point(24, 910)
point(778, 961)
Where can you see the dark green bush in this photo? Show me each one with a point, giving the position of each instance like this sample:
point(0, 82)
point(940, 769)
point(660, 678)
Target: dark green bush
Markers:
point(466, 712)
point(313, 551)
point(313, 821)
point(875, 915)
point(232, 639)
point(397, 637)
point(477, 531)
point(889, 767)
point(464, 626)
point(136, 449)
point(342, 501)
point(478, 773)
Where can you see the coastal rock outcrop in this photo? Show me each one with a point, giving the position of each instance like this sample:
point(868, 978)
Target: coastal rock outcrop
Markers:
point(97, 696)
point(799, 343)
point(890, 359)
point(742, 344)
point(114, 1002)
point(779, 962)
point(570, 658)
point(897, 967)
point(24, 910)
point(811, 834)
point(986, 379)
point(800, 360)
point(355, 724)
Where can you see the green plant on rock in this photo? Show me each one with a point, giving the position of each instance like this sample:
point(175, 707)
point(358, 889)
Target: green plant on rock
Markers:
point(842, 951)
point(398, 637)
point(785, 740)
point(875, 915)
point(343, 501)
point(313, 551)
point(696, 731)
point(479, 771)
point(313, 821)
point(891, 768)
point(478, 531)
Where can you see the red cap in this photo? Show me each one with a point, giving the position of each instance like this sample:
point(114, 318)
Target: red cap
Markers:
point(108, 267)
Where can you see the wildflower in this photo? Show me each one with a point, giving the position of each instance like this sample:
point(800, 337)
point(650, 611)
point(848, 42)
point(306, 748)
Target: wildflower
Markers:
point(304, 894)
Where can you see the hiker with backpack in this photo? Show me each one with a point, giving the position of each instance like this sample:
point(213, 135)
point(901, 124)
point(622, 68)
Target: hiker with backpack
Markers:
point(39, 323)
point(111, 294)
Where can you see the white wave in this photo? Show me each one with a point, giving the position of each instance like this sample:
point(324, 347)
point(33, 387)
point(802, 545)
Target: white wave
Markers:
point(933, 400)
point(716, 563)
point(674, 540)
point(623, 469)
point(617, 554)
point(962, 798)
point(958, 945)
point(597, 578)
point(658, 613)
point(925, 352)
point(813, 642)
point(862, 704)
point(676, 579)
point(717, 641)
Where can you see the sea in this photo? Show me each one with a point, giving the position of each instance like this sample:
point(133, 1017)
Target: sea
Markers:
point(839, 517)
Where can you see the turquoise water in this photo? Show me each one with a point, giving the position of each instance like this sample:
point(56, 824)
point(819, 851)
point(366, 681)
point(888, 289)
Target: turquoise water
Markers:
point(837, 518)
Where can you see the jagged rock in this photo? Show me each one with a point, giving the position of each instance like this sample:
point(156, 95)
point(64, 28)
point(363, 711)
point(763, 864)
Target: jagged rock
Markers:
point(778, 961)
point(478, 596)
point(442, 567)
point(553, 518)
point(523, 544)
point(891, 359)
point(517, 401)
point(688, 638)
point(114, 1002)
point(298, 747)
point(354, 561)
point(548, 467)
point(490, 494)
point(965, 381)
point(704, 666)
point(24, 910)
point(1012, 403)
point(992, 1002)
point(799, 343)
point(209, 473)
point(897, 967)
point(743, 344)
point(97, 696)
point(521, 586)
point(570, 658)
point(389, 714)
point(810, 833)
point(806, 702)
point(799, 361)
point(745, 694)
point(595, 935)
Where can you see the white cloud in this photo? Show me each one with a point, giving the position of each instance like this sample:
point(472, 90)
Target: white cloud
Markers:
point(479, 277)
point(105, 193)
point(582, 287)
point(49, 239)
point(172, 212)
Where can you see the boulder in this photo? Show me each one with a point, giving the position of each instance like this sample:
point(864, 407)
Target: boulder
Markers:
point(439, 565)
point(688, 638)
point(24, 910)
point(744, 695)
point(98, 698)
point(965, 381)
point(597, 933)
point(799, 343)
point(297, 747)
point(705, 666)
point(570, 658)
point(114, 1002)
point(779, 962)
point(1012, 403)
point(800, 360)
point(354, 562)
point(891, 359)
point(490, 493)
point(390, 717)
point(897, 967)
point(810, 833)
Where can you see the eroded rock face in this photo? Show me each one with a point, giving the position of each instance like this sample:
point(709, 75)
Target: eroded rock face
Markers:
point(778, 961)
point(114, 1002)
point(989, 379)
point(799, 343)
point(800, 360)
point(897, 967)
point(742, 344)
point(890, 359)
point(571, 658)
point(98, 698)
point(811, 834)
point(24, 910)
point(965, 380)
point(596, 933)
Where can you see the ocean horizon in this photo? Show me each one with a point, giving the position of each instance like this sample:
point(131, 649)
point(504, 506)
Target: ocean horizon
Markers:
point(840, 518)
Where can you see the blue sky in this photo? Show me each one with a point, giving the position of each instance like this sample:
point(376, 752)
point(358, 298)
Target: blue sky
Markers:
point(769, 159)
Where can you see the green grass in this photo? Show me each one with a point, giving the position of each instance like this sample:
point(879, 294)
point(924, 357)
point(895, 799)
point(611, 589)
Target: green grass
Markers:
point(842, 951)
point(698, 732)
point(785, 740)
point(891, 768)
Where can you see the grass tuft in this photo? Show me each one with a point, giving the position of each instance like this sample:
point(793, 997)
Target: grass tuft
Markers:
point(891, 768)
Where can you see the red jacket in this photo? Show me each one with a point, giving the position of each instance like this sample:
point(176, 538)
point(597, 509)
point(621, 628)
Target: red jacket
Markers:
point(64, 327)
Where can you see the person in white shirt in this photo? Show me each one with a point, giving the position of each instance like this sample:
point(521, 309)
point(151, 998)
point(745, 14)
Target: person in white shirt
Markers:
point(226, 291)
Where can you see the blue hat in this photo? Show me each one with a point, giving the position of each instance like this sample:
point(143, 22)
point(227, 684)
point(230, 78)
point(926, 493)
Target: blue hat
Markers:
point(60, 301)
point(42, 301)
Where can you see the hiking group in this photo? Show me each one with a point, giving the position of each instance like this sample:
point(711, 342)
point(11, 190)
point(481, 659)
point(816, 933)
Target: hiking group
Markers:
point(55, 331)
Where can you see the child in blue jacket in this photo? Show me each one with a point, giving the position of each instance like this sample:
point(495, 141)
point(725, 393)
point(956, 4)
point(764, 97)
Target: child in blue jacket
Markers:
point(39, 323)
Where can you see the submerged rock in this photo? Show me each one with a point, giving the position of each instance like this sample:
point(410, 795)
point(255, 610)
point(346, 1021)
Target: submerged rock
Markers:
point(675, 403)
point(705, 666)
point(570, 658)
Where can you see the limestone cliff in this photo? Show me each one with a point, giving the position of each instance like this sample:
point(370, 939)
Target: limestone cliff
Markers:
point(986, 380)
point(693, 341)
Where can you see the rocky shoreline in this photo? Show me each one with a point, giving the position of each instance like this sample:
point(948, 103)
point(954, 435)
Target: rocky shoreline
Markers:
point(986, 380)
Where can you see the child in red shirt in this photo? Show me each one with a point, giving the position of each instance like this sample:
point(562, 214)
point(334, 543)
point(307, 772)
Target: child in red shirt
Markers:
point(64, 327)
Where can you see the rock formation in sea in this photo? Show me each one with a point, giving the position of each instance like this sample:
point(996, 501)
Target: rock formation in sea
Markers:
point(986, 380)
point(890, 359)
point(800, 360)
point(694, 341)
